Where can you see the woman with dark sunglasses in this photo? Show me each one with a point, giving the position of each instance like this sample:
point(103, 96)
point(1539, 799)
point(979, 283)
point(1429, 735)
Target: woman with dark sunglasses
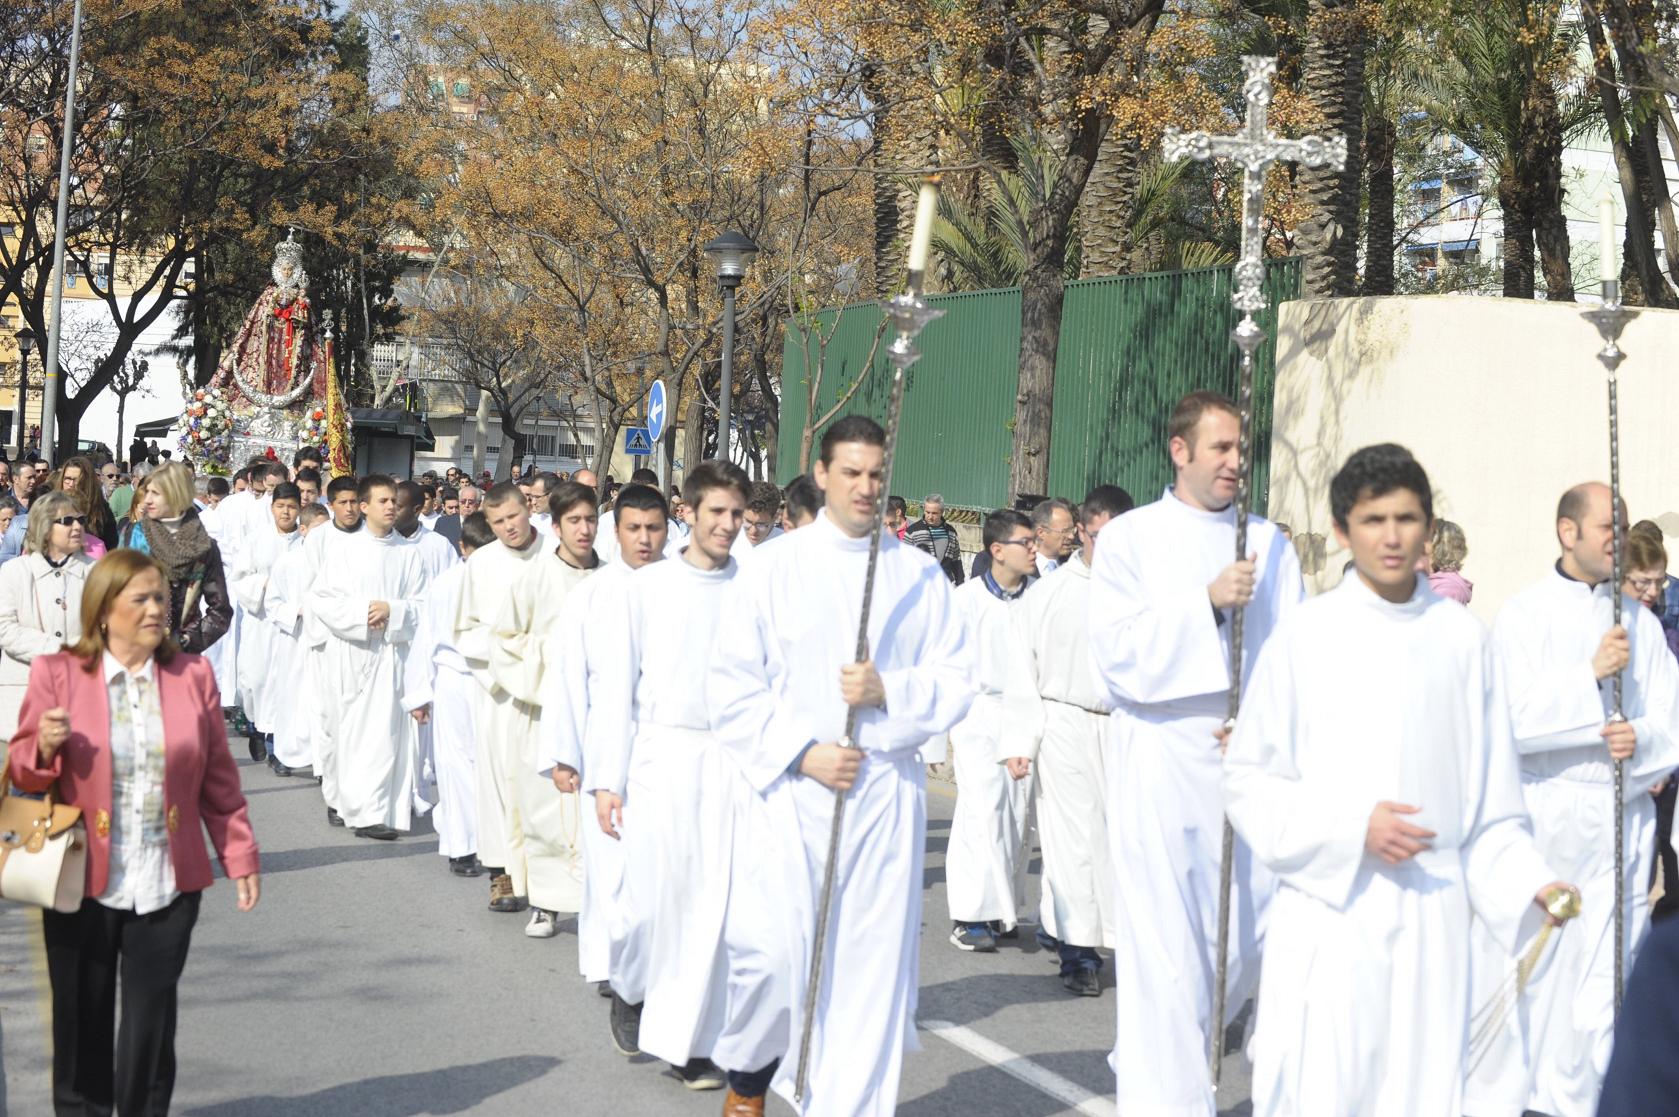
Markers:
point(40, 596)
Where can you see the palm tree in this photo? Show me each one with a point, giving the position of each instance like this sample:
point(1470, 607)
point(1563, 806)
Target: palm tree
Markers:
point(1332, 76)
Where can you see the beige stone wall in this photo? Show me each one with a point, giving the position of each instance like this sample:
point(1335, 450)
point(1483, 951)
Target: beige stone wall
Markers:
point(1503, 402)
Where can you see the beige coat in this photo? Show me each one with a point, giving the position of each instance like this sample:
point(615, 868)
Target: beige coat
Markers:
point(40, 612)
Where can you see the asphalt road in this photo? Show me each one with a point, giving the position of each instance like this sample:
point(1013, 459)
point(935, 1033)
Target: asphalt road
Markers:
point(371, 983)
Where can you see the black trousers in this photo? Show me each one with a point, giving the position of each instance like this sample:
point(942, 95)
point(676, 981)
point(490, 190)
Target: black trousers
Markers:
point(87, 953)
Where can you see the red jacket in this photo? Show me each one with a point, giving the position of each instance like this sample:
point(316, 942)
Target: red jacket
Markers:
point(200, 779)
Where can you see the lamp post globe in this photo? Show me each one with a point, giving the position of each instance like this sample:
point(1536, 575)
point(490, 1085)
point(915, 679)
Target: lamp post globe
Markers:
point(730, 254)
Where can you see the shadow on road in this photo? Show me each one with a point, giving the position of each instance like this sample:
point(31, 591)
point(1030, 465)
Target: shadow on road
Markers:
point(433, 1092)
point(291, 860)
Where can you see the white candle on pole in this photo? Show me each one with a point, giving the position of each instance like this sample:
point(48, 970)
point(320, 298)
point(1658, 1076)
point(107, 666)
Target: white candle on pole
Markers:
point(1606, 237)
point(922, 238)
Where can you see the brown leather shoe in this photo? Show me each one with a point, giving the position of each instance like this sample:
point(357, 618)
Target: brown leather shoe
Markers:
point(501, 894)
point(736, 1106)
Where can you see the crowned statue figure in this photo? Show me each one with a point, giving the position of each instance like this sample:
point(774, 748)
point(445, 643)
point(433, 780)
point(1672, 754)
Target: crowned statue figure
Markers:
point(277, 359)
point(273, 390)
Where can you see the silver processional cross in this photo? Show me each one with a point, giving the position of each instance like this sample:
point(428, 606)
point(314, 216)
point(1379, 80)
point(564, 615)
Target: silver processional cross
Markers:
point(1255, 148)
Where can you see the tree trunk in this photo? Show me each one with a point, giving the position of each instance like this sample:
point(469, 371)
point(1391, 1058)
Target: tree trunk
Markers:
point(117, 446)
point(1379, 232)
point(1333, 80)
point(1541, 172)
point(1641, 279)
point(1105, 210)
point(1518, 237)
point(513, 442)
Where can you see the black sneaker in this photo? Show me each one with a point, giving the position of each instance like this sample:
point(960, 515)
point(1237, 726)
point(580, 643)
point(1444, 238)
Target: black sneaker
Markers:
point(254, 745)
point(1082, 982)
point(332, 818)
point(624, 1022)
point(700, 1074)
point(467, 866)
point(377, 833)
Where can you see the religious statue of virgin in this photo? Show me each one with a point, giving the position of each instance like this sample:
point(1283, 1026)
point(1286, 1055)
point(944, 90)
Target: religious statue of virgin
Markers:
point(276, 359)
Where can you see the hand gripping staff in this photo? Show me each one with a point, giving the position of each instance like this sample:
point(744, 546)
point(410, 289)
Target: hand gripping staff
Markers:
point(1255, 149)
point(909, 314)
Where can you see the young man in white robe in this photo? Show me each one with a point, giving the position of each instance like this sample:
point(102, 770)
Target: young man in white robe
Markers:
point(439, 692)
point(1559, 652)
point(289, 585)
point(326, 550)
point(526, 648)
point(783, 678)
point(499, 723)
point(576, 723)
point(1056, 721)
point(984, 863)
point(369, 604)
point(246, 528)
point(1162, 586)
point(267, 682)
point(437, 554)
point(665, 783)
point(1372, 771)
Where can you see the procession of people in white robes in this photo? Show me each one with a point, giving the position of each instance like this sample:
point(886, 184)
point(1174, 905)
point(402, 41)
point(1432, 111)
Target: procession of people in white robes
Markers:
point(652, 727)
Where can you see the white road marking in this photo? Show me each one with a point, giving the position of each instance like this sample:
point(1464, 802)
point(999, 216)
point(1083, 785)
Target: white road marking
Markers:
point(1017, 1066)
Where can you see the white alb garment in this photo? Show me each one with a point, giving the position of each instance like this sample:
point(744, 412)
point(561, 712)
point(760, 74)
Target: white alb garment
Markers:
point(1545, 638)
point(984, 863)
point(773, 688)
point(374, 756)
point(1161, 653)
point(264, 689)
point(680, 793)
point(289, 585)
point(436, 674)
point(1054, 716)
point(1364, 1006)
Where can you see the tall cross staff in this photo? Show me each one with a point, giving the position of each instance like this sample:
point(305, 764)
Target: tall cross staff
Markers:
point(1255, 148)
point(1610, 319)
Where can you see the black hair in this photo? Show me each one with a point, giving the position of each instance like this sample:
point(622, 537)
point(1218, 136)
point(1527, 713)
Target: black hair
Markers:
point(285, 490)
point(1110, 500)
point(765, 498)
point(566, 495)
point(364, 491)
point(1376, 471)
point(550, 480)
point(306, 454)
point(644, 476)
point(852, 428)
point(1000, 524)
point(803, 497)
point(715, 475)
point(217, 486)
point(448, 492)
point(416, 492)
point(897, 504)
point(313, 476)
point(344, 484)
point(476, 531)
point(644, 498)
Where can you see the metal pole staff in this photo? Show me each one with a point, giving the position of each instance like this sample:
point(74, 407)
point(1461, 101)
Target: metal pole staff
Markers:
point(909, 314)
point(1255, 149)
point(1610, 319)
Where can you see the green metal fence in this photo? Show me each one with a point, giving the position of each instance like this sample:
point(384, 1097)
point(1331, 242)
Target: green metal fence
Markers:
point(1130, 347)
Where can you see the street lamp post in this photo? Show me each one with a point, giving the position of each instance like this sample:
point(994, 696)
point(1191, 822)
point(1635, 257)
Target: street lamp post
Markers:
point(49, 368)
point(730, 254)
point(25, 346)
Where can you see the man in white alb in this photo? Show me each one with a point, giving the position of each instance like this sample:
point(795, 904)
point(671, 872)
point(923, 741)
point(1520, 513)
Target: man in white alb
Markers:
point(1056, 718)
point(783, 678)
point(267, 684)
point(498, 723)
point(676, 790)
point(369, 605)
point(1559, 652)
point(438, 690)
point(1162, 586)
point(983, 864)
point(526, 649)
point(1372, 771)
point(575, 724)
point(437, 554)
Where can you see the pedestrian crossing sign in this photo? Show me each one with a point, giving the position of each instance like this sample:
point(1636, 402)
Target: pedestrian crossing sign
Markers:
point(637, 443)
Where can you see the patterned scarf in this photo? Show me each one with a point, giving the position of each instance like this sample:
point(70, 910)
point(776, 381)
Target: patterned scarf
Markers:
point(180, 550)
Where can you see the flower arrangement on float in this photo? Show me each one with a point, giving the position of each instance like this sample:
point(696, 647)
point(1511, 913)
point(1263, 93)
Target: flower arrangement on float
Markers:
point(206, 430)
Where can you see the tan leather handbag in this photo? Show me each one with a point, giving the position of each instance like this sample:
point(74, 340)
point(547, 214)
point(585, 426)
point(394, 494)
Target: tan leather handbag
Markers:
point(43, 850)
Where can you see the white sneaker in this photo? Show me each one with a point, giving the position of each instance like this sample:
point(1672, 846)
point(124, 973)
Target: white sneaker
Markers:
point(543, 925)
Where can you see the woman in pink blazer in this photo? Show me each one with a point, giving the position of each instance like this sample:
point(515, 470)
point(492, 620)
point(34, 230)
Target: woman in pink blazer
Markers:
point(129, 729)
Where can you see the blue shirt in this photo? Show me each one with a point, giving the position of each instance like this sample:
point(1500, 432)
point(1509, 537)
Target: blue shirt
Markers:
point(12, 545)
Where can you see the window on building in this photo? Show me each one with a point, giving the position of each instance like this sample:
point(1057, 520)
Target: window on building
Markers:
point(102, 272)
point(435, 87)
point(463, 89)
point(544, 445)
